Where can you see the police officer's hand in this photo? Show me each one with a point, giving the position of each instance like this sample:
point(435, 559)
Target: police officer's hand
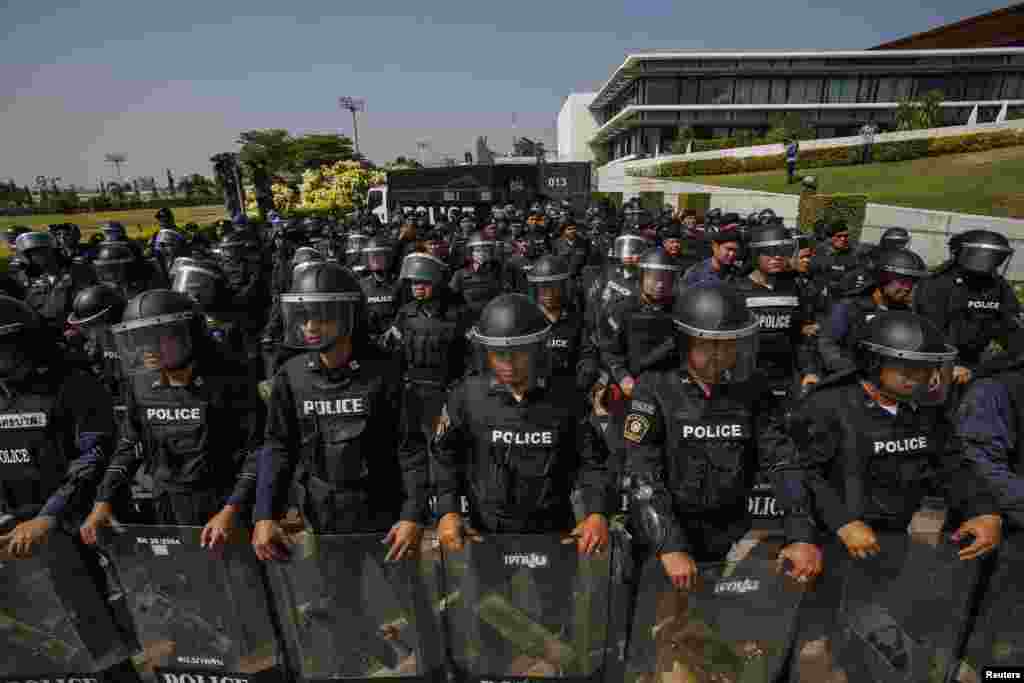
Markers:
point(268, 541)
point(806, 559)
point(859, 539)
point(597, 395)
point(961, 375)
point(591, 534)
point(987, 531)
point(680, 569)
point(452, 532)
point(21, 542)
point(810, 329)
point(404, 539)
point(628, 384)
point(102, 515)
point(217, 531)
point(809, 379)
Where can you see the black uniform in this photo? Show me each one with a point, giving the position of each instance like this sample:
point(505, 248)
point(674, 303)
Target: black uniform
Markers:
point(382, 296)
point(477, 286)
point(832, 264)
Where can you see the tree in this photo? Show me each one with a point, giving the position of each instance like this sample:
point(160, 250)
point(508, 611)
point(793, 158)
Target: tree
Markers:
point(116, 160)
point(272, 148)
point(170, 183)
point(319, 149)
point(920, 113)
point(790, 125)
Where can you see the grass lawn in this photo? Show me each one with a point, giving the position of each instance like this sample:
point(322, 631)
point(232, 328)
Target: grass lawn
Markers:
point(136, 221)
point(988, 183)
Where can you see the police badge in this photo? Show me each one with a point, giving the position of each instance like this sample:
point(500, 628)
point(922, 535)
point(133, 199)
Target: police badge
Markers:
point(636, 427)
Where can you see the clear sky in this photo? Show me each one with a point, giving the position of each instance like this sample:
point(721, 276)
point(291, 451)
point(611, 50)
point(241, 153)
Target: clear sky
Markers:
point(168, 83)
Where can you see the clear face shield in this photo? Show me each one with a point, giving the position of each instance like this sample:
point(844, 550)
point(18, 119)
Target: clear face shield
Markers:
point(985, 259)
point(719, 357)
point(95, 334)
point(658, 285)
point(315, 322)
point(921, 378)
point(161, 343)
point(627, 249)
point(551, 292)
point(481, 253)
point(521, 363)
point(377, 259)
point(776, 256)
point(200, 284)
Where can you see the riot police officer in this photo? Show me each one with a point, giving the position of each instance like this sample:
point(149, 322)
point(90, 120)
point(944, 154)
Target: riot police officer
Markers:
point(574, 248)
point(119, 266)
point(58, 431)
point(379, 286)
point(241, 261)
point(167, 246)
point(695, 440)
point(636, 333)
point(513, 442)
point(51, 284)
point(330, 426)
point(620, 281)
point(196, 414)
point(481, 280)
point(573, 353)
point(94, 311)
point(872, 444)
point(970, 300)
point(888, 285)
point(836, 257)
point(206, 285)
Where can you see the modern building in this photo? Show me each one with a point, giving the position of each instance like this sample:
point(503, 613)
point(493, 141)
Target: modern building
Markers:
point(576, 128)
point(977, 62)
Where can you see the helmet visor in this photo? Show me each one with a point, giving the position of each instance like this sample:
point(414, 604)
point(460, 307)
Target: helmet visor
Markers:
point(377, 260)
point(921, 378)
point(201, 284)
point(629, 246)
point(314, 322)
point(984, 258)
point(163, 343)
point(551, 293)
point(719, 357)
point(524, 364)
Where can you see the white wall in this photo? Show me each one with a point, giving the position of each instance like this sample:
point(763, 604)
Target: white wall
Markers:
point(576, 127)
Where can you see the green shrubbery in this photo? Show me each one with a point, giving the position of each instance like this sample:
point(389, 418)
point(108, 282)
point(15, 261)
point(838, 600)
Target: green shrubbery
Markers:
point(901, 150)
point(850, 208)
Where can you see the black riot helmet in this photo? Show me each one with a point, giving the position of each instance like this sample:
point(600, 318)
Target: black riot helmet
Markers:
point(169, 244)
point(67, 235)
point(238, 253)
point(322, 306)
point(512, 335)
point(14, 232)
point(377, 255)
point(906, 357)
point(22, 339)
point(899, 261)
point(303, 258)
point(160, 330)
point(713, 216)
point(767, 216)
point(895, 237)
point(984, 252)
point(38, 251)
point(772, 241)
point(550, 282)
point(201, 281)
point(481, 249)
point(113, 231)
point(629, 247)
point(659, 273)
point(420, 267)
point(717, 334)
point(93, 312)
point(354, 245)
point(113, 262)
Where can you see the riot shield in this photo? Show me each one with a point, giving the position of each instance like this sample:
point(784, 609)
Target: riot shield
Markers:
point(195, 611)
point(736, 624)
point(997, 636)
point(54, 620)
point(349, 614)
point(903, 612)
point(526, 606)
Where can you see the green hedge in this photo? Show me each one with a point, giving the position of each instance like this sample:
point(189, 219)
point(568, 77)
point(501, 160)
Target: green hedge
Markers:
point(614, 198)
point(699, 202)
point(902, 150)
point(652, 201)
point(851, 208)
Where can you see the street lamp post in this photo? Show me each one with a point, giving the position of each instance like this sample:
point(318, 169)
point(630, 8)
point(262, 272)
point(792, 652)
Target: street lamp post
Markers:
point(353, 104)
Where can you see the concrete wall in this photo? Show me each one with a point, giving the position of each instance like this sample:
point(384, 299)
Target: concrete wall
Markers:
point(576, 127)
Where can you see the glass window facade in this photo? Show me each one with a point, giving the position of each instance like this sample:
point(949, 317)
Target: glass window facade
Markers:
point(804, 91)
point(688, 90)
point(662, 91)
point(716, 91)
point(893, 88)
point(841, 90)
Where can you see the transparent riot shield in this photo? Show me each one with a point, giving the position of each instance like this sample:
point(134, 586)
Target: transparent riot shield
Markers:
point(347, 613)
point(524, 606)
point(996, 632)
point(55, 621)
point(736, 624)
point(903, 612)
point(195, 611)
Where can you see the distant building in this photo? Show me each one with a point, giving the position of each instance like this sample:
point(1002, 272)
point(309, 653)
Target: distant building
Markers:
point(639, 110)
point(576, 128)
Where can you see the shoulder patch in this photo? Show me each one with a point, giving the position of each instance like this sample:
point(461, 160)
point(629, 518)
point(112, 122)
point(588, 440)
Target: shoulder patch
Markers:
point(636, 427)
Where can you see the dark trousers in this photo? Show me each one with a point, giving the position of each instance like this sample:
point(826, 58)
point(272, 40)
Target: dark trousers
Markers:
point(790, 170)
